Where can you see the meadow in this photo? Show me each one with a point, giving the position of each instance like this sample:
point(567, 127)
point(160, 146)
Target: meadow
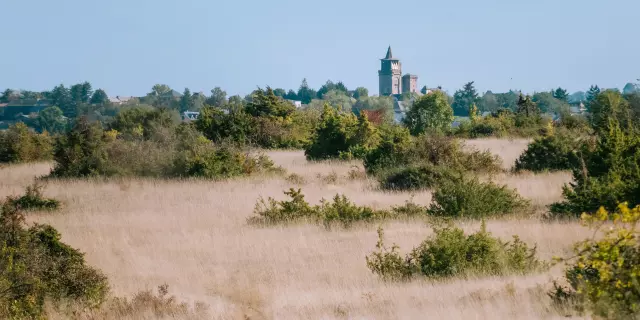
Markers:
point(193, 236)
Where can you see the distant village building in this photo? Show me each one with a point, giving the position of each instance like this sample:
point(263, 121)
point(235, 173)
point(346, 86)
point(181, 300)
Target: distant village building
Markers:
point(296, 103)
point(118, 100)
point(188, 116)
point(24, 107)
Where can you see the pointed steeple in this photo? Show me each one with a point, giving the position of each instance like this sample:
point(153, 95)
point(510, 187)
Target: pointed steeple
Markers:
point(389, 54)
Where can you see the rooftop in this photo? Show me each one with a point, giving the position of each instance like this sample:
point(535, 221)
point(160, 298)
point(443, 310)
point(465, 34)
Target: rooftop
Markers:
point(389, 55)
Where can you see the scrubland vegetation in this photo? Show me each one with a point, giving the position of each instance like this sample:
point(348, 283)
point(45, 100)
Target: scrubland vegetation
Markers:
point(198, 207)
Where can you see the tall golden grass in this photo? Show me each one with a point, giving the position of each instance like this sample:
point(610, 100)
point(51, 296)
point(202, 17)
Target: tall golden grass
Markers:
point(193, 236)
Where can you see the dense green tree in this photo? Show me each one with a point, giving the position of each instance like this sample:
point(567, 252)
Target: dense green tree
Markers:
point(218, 125)
point(526, 107)
point(431, 111)
point(547, 102)
point(508, 100)
point(236, 101)
point(291, 95)
point(51, 119)
point(489, 102)
point(463, 99)
point(279, 92)
point(593, 92)
point(361, 92)
point(332, 135)
point(265, 103)
point(608, 106)
point(159, 89)
point(218, 97)
point(330, 86)
point(81, 93)
point(186, 101)
point(7, 96)
point(61, 97)
point(99, 97)
point(26, 94)
point(305, 94)
point(143, 122)
point(561, 94)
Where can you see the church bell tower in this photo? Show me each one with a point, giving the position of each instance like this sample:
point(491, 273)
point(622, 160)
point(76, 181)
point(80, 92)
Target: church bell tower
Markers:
point(390, 75)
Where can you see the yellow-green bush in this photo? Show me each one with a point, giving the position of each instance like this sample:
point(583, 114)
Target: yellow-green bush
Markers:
point(21, 144)
point(604, 275)
point(341, 134)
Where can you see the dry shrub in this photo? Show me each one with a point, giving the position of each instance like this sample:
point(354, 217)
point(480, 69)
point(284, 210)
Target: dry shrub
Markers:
point(341, 210)
point(33, 199)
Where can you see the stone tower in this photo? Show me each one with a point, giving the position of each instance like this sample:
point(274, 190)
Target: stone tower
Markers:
point(409, 83)
point(390, 75)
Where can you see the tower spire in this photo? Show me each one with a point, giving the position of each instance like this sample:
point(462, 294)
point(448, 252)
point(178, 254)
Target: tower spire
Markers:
point(389, 54)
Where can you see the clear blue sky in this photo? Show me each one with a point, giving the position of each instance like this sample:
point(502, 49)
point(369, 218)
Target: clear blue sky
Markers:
point(126, 46)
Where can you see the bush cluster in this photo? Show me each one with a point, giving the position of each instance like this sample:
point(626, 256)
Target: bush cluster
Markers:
point(451, 253)
point(341, 134)
point(401, 162)
point(37, 267)
point(267, 121)
point(21, 144)
point(170, 152)
point(469, 198)
point(603, 276)
point(340, 211)
point(503, 123)
point(608, 173)
point(552, 152)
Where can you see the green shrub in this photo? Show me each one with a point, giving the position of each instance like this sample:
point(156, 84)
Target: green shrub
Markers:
point(393, 149)
point(470, 198)
point(397, 149)
point(267, 121)
point(554, 152)
point(35, 266)
point(415, 177)
point(340, 210)
point(341, 135)
point(603, 276)
point(81, 152)
point(20, 144)
point(608, 173)
point(144, 123)
point(184, 152)
point(451, 253)
point(34, 200)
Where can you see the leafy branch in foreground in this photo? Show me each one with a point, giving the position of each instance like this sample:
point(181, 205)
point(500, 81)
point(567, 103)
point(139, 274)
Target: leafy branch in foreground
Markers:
point(604, 273)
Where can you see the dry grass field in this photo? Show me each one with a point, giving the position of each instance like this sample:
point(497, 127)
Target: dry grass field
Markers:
point(194, 237)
